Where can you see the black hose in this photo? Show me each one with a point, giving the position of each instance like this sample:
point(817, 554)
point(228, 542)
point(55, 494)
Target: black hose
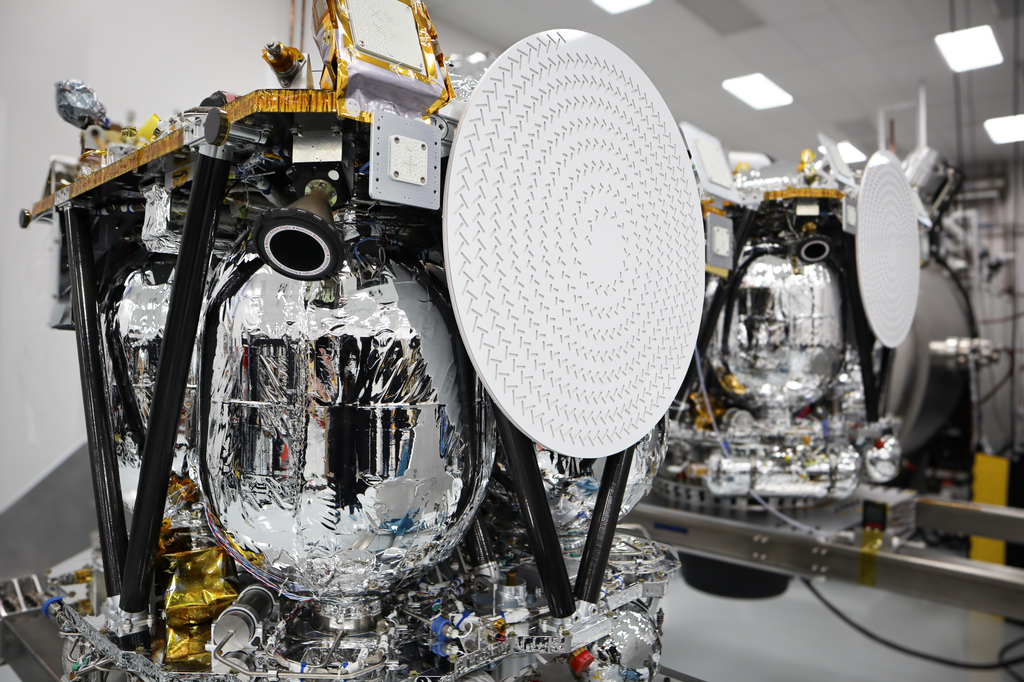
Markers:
point(521, 458)
point(186, 301)
point(601, 534)
point(105, 478)
point(710, 317)
point(478, 546)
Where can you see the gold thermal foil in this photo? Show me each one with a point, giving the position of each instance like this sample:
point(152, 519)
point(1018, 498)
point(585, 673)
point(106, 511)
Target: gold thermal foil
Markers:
point(344, 59)
point(701, 419)
point(804, 193)
point(198, 591)
point(186, 647)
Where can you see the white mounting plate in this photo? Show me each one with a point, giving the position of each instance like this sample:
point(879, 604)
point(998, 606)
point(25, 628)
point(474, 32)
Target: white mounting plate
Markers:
point(388, 157)
point(712, 163)
point(574, 243)
point(888, 249)
point(840, 169)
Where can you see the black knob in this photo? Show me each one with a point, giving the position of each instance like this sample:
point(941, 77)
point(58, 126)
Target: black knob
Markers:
point(217, 127)
point(24, 218)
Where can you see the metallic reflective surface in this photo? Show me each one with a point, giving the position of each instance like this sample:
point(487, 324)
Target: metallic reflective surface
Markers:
point(781, 471)
point(572, 484)
point(340, 440)
point(630, 653)
point(134, 314)
point(784, 345)
point(882, 460)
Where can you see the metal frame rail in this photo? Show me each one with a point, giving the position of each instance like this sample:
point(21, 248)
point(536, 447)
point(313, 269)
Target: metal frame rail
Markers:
point(898, 567)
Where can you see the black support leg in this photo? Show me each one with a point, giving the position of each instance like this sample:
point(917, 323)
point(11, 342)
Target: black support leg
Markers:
point(105, 478)
point(208, 187)
point(521, 458)
point(601, 534)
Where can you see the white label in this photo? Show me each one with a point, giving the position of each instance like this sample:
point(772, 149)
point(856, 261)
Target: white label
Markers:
point(807, 207)
point(720, 241)
point(851, 215)
point(408, 160)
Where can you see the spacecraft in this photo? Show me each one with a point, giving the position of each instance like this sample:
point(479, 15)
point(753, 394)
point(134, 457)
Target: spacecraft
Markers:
point(810, 267)
point(374, 363)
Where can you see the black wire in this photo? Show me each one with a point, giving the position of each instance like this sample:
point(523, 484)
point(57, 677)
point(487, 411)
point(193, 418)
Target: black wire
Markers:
point(1013, 232)
point(1005, 650)
point(972, 321)
point(913, 652)
point(956, 95)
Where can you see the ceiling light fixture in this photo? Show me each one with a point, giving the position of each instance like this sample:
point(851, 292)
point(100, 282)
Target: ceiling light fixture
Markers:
point(969, 49)
point(757, 91)
point(619, 6)
point(1005, 129)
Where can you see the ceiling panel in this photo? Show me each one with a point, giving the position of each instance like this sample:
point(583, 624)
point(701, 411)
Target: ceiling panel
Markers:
point(841, 60)
point(822, 35)
point(883, 23)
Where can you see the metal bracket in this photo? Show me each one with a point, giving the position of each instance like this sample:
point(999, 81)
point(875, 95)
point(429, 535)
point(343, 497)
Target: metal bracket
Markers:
point(405, 161)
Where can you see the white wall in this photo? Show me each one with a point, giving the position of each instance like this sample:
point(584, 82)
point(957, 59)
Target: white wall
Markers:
point(149, 57)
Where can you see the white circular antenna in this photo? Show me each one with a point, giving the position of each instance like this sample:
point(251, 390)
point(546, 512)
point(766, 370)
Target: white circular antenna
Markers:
point(888, 249)
point(574, 243)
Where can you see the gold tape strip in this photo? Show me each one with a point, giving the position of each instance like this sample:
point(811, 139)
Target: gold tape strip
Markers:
point(720, 272)
point(991, 486)
point(867, 564)
point(804, 193)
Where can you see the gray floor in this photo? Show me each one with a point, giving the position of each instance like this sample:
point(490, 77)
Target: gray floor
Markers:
point(793, 638)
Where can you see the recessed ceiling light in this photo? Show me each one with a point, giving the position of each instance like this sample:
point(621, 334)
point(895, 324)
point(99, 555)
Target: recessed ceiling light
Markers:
point(1005, 129)
point(617, 6)
point(969, 49)
point(758, 91)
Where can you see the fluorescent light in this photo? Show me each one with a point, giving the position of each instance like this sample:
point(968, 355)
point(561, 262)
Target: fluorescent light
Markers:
point(969, 49)
point(617, 6)
point(476, 58)
point(1005, 129)
point(757, 91)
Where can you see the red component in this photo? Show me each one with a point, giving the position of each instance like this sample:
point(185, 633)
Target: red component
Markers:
point(581, 660)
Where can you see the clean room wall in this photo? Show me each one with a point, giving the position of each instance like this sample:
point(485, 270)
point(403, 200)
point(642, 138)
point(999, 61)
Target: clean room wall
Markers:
point(147, 57)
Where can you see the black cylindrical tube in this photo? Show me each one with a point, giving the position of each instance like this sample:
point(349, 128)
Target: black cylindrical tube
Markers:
point(862, 333)
point(602, 526)
point(208, 187)
point(521, 458)
point(478, 546)
point(106, 483)
point(713, 311)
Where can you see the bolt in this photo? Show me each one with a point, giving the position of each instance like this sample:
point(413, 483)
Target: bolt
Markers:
point(814, 568)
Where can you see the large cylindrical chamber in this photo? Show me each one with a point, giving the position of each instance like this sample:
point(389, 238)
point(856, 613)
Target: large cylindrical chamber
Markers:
point(779, 342)
point(345, 445)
